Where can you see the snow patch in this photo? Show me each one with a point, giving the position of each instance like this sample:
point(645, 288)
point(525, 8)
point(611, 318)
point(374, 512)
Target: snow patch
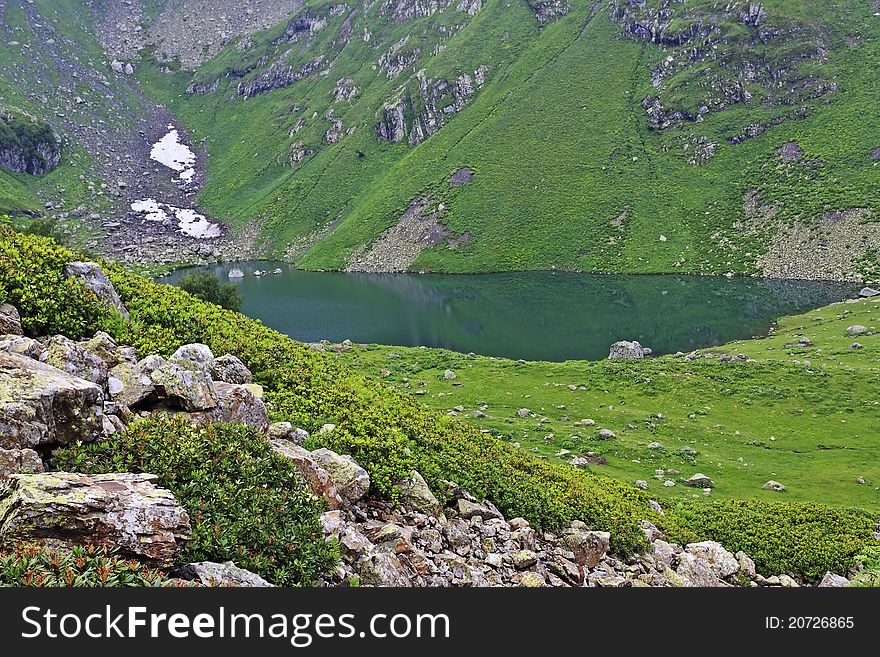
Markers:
point(170, 152)
point(189, 222)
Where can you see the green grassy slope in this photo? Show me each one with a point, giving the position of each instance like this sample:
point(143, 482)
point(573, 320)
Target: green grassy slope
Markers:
point(806, 416)
point(568, 172)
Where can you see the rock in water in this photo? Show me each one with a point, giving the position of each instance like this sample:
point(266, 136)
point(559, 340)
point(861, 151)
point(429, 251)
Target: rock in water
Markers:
point(10, 320)
point(96, 280)
point(124, 511)
point(625, 350)
point(41, 405)
point(227, 574)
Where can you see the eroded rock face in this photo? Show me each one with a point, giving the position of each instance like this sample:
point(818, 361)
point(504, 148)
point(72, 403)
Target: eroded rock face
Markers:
point(10, 320)
point(96, 280)
point(236, 404)
point(19, 461)
point(124, 511)
point(227, 574)
point(42, 406)
point(316, 478)
point(230, 369)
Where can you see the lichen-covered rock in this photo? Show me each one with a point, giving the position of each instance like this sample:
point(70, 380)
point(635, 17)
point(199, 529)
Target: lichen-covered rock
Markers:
point(625, 350)
point(190, 389)
point(16, 344)
point(384, 569)
point(236, 404)
point(589, 547)
point(351, 480)
point(41, 405)
point(130, 384)
point(19, 461)
point(105, 348)
point(122, 511)
point(230, 369)
point(316, 478)
point(227, 574)
point(699, 480)
point(415, 494)
point(70, 357)
point(10, 320)
point(94, 278)
point(833, 581)
point(286, 431)
point(197, 355)
point(701, 562)
point(468, 509)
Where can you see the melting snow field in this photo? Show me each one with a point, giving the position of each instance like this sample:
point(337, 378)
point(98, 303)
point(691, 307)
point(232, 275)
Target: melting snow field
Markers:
point(169, 152)
point(189, 222)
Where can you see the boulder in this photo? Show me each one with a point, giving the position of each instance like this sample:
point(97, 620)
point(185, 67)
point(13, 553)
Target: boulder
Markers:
point(857, 329)
point(773, 485)
point(19, 461)
point(16, 344)
point(625, 350)
point(721, 563)
point(236, 404)
point(286, 431)
point(351, 480)
point(227, 574)
point(122, 511)
point(190, 389)
point(193, 355)
point(130, 384)
point(10, 320)
point(94, 278)
point(523, 413)
point(468, 509)
point(589, 547)
point(70, 357)
point(699, 480)
point(316, 478)
point(384, 569)
point(415, 494)
point(105, 348)
point(41, 405)
point(867, 292)
point(230, 369)
point(449, 375)
point(833, 581)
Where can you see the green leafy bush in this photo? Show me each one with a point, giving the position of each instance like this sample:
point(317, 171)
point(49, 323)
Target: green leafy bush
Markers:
point(206, 286)
point(32, 279)
point(37, 566)
point(246, 504)
point(781, 537)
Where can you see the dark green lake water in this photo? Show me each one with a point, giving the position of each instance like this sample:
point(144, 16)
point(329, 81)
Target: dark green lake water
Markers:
point(531, 315)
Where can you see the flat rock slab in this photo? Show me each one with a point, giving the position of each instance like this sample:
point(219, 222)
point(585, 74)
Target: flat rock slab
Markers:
point(227, 574)
point(124, 511)
point(41, 405)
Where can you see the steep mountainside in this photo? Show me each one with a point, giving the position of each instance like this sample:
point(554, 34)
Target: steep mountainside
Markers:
point(474, 135)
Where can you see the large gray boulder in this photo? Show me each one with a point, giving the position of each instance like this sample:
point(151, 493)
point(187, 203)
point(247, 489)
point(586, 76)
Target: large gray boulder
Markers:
point(130, 384)
point(94, 278)
point(194, 356)
point(415, 494)
point(189, 389)
point(10, 320)
point(230, 369)
point(41, 405)
point(236, 404)
point(122, 511)
point(352, 481)
point(72, 358)
point(17, 344)
point(706, 564)
point(316, 478)
point(625, 350)
point(227, 574)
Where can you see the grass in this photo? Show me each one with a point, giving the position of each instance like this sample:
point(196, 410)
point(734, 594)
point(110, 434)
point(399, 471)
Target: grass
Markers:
point(804, 416)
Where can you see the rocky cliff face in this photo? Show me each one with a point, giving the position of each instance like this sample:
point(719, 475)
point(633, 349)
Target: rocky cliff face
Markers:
point(28, 145)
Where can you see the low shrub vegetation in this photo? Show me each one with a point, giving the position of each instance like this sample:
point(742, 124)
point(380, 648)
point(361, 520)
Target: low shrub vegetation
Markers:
point(37, 566)
point(234, 502)
point(246, 504)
